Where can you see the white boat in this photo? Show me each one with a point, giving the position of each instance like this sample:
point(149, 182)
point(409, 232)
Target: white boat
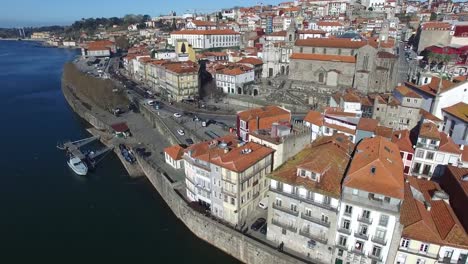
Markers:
point(77, 165)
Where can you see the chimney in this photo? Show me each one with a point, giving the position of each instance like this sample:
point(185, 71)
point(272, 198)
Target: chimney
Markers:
point(399, 135)
point(462, 147)
point(428, 206)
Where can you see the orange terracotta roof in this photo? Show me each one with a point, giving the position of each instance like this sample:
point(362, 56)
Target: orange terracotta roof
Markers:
point(200, 23)
point(367, 124)
point(407, 92)
point(459, 111)
point(384, 131)
point(281, 33)
point(250, 60)
point(331, 43)
point(175, 152)
point(329, 24)
point(438, 225)
point(458, 174)
point(428, 116)
point(262, 112)
point(182, 67)
point(376, 167)
point(402, 139)
point(436, 26)
point(432, 87)
point(206, 32)
point(429, 130)
point(314, 117)
point(447, 144)
point(312, 32)
point(234, 70)
point(234, 159)
point(327, 156)
point(323, 57)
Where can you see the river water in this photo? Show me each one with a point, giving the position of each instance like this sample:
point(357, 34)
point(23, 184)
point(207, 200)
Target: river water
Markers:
point(50, 215)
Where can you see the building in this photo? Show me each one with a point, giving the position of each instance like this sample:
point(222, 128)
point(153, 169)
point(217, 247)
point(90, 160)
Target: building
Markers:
point(434, 150)
point(330, 122)
point(227, 176)
point(304, 198)
point(40, 35)
point(455, 184)
point(178, 80)
point(260, 118)
point(432, 233)
point(234, 78)
point(456, 122)
point(173, 156)
point(368, 224)
point(207, 39)
point(101, 48)
point(403, 140)
point(286, 139)
point(200, 25)
point(432, 33)
point(255, 63)
point(348, 100)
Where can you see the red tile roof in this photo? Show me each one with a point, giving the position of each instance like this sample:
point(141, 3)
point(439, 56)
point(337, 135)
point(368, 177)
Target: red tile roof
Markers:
point(175, 152)
point(402, 139)
point(327, 156)
point(314, 117)
point(262, 112)
point(407, 92)
point(447, 144)
point(429, 130)
point(250, 60)
point(438, 224)
point(376, 167)
point(323, 57)
point(436, 26)
point(206, 32)
point(459, 111)
point(367, 124)
point(331, 43)
point(329, 24)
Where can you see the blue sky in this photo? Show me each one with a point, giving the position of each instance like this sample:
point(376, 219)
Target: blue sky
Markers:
point(14, 13)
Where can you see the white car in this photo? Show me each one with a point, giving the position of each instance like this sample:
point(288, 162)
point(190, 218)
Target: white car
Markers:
point(180, 132)
point(263, 203)
point(177, 115)
point(150, 102)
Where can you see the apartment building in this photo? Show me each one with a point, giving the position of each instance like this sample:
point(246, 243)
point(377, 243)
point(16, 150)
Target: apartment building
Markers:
point(206, 39)
point(260, 118)
point(234, 78)
point(304, 198)
point(403, 140)
point(434, 150)
point(455, 122)
point(432, 233)
point(227, 176)
point(368, 219)
point(178, 80)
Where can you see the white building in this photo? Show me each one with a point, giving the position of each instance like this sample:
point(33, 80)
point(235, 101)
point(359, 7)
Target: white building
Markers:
point(456, 122)
point(206, 39)
point(373, 190)
point(227, 176)
point(433, 151)
point(234, 78)
point(173, 156)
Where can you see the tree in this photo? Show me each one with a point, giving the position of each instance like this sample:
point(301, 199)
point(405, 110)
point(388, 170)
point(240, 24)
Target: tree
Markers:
point(433, 16)
point(371, 9)
point(183, 49)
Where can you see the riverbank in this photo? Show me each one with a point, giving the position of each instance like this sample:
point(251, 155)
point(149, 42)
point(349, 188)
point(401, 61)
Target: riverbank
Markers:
point(171, 187)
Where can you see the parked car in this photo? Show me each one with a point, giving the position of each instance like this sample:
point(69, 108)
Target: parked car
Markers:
point(150, 102)
point(189, 141)
point(263, 203)
point(180, 132)
point(264, 229)
point(177, 115)
point(258, 224)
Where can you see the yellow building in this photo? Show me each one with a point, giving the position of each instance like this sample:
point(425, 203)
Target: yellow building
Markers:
point(185, 51)
point(180, 80)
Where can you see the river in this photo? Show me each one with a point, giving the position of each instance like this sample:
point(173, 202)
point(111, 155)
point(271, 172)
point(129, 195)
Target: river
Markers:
point(50, 215)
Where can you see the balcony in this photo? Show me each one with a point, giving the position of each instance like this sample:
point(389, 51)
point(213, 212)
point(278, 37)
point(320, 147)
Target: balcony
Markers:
point(315, 220)
point(358, 252)
point(285, 210)
point(418, 253)
point(427, 146)
point(343, 247)
point(344, 231)
point(361, 235)
point(374, 257)
point(229, 192)
point(379, 240)
point(304, 199)
point(318, 238)
point(283, 225)
point(365, 220)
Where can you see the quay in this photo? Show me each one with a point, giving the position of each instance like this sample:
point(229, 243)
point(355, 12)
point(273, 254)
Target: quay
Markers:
point(171, 186)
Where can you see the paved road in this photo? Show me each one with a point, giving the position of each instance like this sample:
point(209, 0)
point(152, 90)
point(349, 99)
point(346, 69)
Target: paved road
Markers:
point(403, 64)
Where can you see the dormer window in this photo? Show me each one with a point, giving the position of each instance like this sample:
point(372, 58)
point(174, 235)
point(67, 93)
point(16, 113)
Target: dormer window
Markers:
point(313, 176)
point(302, 173)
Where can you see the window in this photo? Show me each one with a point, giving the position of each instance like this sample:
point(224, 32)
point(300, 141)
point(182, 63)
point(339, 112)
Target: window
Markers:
point(283, 231)
point(430, 155)
point(427, 169)
point(310, 195)
point(420, 261)
point(448, 254)
point(383, 221)
point(342, 241)
point(409, 156)
point(359, 246)
point(452, 127)
point(340, 252)
point(348, 210)
point(355, 191)
point(339, 51)
point(302, 173)
point(433, 142)
point(324, 50)
point(420, 154)
point(404, 243)
point(313, 176)
point(278, 202)
point(326, 200)
point(424, 247)
point(363, 230)
point(293, 207)
point(417, 167)
point(233, 201)
point(324, 218)
point(376, 251)
point(387, 199)
point(380, 234)
point(346, 224)
point(308, 212)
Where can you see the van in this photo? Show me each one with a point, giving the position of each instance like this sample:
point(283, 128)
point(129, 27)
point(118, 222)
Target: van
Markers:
point(263, 203)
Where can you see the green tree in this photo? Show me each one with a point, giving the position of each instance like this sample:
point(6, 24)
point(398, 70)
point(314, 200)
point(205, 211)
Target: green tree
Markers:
point(433, 16)
point(183, 49)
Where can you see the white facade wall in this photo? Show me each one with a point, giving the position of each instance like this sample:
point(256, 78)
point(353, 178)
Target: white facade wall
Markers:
point(207, 41)
point(229, 83)
point(453, 96)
